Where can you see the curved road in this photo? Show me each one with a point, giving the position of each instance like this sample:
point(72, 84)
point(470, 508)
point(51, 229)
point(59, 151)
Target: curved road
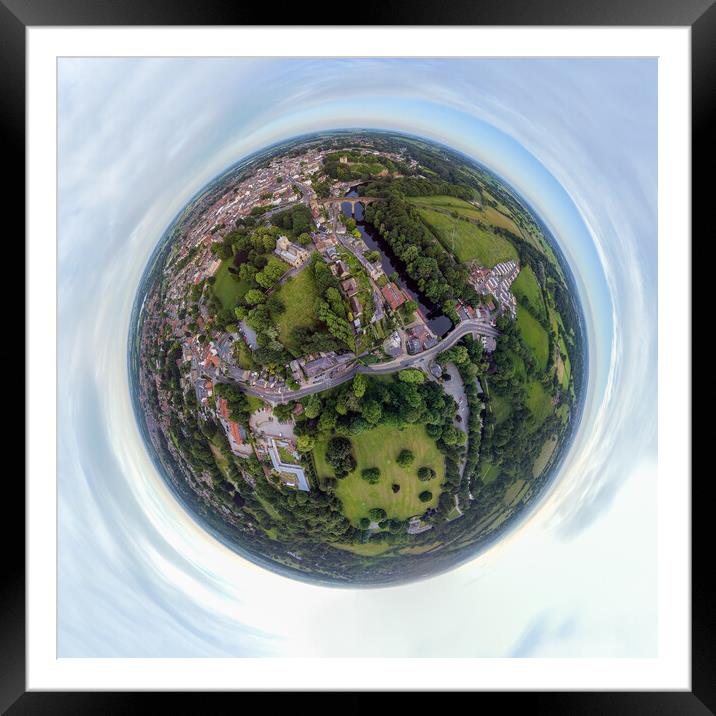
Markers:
point(472, 325)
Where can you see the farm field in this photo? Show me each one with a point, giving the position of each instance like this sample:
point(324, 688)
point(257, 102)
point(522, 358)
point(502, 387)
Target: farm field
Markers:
point(534, 336)
point(487, 215)
point(449, 203)
point(379, 447)
point(564, 369)
point(543, 458)
point(539, 403)
point(369, 549)
point(526, 285)
point(468, 241)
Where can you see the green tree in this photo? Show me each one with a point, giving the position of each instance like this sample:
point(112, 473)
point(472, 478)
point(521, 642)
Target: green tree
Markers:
point(312, 406)
point(305, 443)
point(339, 454)
point(371, 475)
point(412, 375)
point(359, 385)
point(426, 473)
point(253, 296)
point(405, 458)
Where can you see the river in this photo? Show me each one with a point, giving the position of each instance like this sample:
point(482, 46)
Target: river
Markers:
point(437, 321)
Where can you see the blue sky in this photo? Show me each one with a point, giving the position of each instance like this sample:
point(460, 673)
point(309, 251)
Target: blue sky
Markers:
point(137, 138)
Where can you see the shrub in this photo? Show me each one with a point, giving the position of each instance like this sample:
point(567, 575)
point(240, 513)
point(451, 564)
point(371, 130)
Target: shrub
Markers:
point(425, 496)
point(364, 523)
point(378, 513)
point(395, 487)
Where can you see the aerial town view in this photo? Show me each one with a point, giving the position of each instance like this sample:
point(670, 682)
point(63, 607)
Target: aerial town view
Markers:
point(357, 357)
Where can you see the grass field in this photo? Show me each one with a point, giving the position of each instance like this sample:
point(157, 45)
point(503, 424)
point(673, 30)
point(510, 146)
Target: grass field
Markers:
point(255, 403)
point(487, 215)
point(449, 203)
point(539, 403)
point(220, 458)
point(226, 289)
point(534, 336)
point(369, 549)
point(564, 367)
point(543, 458)
point(298, 294)
point(468, 241)
point(379, 448)
point(419, 549)
point(526, 285)
point(496, 218)
point(501, 407)
point(513, 492)
point(488, 472)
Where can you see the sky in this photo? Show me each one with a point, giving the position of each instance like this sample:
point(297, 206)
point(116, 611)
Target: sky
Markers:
point(137, 138)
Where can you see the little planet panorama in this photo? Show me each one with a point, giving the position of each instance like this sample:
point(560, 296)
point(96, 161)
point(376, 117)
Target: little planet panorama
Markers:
point(357, 358)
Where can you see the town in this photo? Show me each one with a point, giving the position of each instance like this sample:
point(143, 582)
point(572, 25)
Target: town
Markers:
point(284, 183)
point(356, 353)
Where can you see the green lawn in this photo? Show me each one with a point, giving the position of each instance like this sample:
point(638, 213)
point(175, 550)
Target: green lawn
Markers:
point(298, 294)
point(226, 288)
point(526, 285)
point(470, 242)
point(534, 336)
point(379, 448)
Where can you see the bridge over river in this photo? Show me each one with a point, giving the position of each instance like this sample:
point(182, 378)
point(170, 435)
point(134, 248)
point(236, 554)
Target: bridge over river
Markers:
point(352, 200)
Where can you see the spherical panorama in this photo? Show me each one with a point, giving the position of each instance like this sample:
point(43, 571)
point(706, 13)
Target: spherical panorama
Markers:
point(357, 357)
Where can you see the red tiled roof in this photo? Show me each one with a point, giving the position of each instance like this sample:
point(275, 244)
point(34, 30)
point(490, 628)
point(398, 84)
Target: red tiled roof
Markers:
point(235, 432)
point(223, 407)
point(393, 295)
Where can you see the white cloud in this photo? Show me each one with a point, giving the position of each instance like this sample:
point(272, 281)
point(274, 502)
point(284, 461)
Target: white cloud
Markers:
point(137, 575)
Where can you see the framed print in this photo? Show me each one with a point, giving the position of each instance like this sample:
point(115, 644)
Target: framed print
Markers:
point(367, 366)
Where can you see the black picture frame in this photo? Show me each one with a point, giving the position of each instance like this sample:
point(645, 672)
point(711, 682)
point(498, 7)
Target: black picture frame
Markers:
point(699, 15)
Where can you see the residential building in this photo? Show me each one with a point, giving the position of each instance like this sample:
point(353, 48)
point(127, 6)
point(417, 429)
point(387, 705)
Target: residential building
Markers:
point(393, 295)
point(355, 305)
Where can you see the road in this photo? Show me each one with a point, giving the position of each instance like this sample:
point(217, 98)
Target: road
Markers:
point(470, 326)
